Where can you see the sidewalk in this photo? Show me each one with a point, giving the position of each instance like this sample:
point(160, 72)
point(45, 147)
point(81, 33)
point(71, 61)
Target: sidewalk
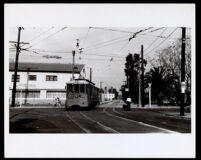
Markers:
point(165, 110)
point(23, 106)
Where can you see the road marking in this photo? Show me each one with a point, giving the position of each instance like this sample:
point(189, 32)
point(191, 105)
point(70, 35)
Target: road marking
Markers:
point(103, 126)
point(74, 121)
point(144, 124)
point(117, 112)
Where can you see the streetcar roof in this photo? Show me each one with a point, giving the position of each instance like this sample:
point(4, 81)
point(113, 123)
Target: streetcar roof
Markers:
point(81, 81)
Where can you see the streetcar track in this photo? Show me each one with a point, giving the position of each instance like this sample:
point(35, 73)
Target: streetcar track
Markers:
point(100, 124)
point(74, 121)
point(108, 110)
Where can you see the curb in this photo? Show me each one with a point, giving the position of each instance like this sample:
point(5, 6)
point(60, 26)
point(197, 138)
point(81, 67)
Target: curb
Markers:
point(176, 116)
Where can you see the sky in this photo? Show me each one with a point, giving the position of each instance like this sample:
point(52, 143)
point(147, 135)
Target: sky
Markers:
point(104, 49)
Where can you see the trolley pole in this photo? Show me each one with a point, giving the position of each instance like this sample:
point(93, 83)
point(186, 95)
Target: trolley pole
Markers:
point(183, 70)
point(16, 67)
point(73, 52)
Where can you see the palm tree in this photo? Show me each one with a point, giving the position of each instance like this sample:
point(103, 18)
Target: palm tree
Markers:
point(162, 83)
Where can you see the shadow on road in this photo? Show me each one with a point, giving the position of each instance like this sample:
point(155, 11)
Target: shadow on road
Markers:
point(32, 126)
point(78, 108)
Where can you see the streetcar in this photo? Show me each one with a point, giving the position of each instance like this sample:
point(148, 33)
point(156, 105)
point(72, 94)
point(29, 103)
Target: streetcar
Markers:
point(81, 93)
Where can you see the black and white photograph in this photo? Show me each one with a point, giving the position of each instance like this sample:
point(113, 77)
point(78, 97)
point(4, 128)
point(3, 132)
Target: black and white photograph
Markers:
point(95, 80)
point(85, 80)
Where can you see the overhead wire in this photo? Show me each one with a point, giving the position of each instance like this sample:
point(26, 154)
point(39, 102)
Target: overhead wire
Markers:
point(105, 42)
point(124, 46)
point(86, 36)
point(36, 37)
point(161, 42)
point(38, 53)
point(135, 33)
point(39, 35)
point(91, 47)
point(48, 37)
point(134, 36)
point(99, 43)
point(155, 39)
point(115, 30)
point(156, 29)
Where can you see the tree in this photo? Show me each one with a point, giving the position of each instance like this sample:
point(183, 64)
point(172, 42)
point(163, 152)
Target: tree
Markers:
point(101, 90)
point(170, 59)
point(124, 93)
point(132, 69)
point(114, 91)
point(161, 81)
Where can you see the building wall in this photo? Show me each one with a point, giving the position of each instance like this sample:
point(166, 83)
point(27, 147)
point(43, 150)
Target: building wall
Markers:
point(46, 95)
point(107, 96)
point(41, 82)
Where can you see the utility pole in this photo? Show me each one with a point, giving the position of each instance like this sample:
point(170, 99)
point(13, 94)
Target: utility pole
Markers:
point(183, 70)
point(101, 84)
point(101, 94)
point(91, 74)
point(73, 52)
point(16, 67)
point(142, 66)
point(129, 86)
point(139, 79)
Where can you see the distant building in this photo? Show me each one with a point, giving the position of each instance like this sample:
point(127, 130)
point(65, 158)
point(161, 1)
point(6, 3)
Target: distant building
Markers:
point(41, 83)
point(107, 96)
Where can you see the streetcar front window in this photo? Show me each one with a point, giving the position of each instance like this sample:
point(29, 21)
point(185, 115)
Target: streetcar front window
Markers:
point(76, 88)
point(82, 88)
point(70, 88)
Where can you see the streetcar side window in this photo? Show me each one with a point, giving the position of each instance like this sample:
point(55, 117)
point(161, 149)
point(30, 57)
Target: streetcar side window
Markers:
point(76, 88)
point(82, 88)
point(89, 90)
point(70, 88)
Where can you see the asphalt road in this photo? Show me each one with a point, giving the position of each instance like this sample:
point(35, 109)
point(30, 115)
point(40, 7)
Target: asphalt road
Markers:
point(105, 118)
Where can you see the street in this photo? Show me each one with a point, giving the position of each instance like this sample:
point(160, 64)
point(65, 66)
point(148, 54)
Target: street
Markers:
point(105, 118)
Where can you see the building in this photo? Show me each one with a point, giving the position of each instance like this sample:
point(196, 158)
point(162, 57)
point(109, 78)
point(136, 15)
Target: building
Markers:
point(41, 83)
point(107, 96)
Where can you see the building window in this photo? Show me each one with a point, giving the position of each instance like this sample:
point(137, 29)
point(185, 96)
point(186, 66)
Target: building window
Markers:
point(32, 77)
point(18, 78)
point(51, 78)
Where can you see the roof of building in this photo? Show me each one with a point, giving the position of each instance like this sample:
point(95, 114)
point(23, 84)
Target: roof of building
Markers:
point(46, 67)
